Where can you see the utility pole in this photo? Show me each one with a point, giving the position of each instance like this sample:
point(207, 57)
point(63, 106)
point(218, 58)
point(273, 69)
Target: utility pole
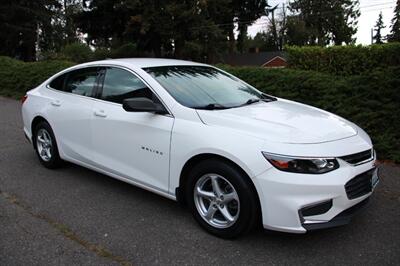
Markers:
point(283, 27)
point(273, 24)
point(372, 35)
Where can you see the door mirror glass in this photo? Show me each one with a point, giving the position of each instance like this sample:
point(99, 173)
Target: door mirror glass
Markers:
point(142, 104)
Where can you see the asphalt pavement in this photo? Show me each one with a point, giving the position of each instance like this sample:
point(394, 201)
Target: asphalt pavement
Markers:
point(74, 216)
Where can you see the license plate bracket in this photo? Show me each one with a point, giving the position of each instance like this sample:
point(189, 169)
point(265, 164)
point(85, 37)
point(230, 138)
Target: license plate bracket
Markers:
point(375, 178)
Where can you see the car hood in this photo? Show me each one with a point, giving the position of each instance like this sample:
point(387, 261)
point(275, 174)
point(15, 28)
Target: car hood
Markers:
point(282, 121)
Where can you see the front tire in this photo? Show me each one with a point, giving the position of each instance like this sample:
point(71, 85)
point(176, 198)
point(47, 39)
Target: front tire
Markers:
point(45, 145)
point(221, 198)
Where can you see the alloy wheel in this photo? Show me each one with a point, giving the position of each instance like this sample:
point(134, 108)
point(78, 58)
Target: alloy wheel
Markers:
point(216, 200)
point(44, 144)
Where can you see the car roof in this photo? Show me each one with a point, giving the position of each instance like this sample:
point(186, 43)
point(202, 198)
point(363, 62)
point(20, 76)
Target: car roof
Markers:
point(142, 62)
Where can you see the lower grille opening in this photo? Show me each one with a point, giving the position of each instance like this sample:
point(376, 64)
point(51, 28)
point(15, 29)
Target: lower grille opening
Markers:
point(316, 209)
point(359, 185)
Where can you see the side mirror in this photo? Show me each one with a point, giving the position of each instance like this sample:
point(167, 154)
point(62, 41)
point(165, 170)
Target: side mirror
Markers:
point(142, 104)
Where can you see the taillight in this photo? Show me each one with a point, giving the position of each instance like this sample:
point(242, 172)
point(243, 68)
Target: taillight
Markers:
point(23, 99)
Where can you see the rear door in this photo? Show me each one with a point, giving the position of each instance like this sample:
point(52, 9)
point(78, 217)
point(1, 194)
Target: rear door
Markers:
point(71, 112)
point(134, 145)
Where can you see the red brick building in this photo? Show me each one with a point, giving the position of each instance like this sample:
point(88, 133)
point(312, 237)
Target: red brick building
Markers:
point(263, 59)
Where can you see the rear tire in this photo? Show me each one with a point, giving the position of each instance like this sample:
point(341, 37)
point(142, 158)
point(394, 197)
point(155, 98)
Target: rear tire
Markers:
point(221, 198)
point(45, 145)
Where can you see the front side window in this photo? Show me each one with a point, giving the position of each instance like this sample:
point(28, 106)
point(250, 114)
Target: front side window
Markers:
point(120, 84)
point(202, 86)
point(81, 81)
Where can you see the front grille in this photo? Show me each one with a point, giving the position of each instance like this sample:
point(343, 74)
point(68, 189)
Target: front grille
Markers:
point(360, 157)
point(359, 185)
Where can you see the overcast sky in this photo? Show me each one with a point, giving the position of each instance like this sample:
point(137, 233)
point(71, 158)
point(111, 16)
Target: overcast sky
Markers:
point(369, 14)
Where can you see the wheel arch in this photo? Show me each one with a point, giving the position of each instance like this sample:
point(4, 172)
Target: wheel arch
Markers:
point(196, 159)
point(35, 121)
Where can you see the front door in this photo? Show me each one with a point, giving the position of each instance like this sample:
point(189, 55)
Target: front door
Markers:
point(134, 145)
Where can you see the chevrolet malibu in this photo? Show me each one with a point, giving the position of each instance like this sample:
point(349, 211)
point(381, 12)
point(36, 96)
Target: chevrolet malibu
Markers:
point(235, 156)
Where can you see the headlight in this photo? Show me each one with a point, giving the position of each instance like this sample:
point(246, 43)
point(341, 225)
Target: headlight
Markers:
point(302, 165)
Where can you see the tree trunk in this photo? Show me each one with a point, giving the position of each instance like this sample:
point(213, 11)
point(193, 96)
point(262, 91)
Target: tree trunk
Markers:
point(231, 40)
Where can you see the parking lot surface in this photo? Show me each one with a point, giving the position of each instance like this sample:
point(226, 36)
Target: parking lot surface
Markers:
point(72, 216)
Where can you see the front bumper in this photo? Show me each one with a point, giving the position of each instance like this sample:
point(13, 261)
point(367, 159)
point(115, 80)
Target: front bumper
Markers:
point(285, 196)
point(341, 219)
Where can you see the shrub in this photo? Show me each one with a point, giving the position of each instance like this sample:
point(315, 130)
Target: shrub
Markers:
point(125, 51)
point(344, 60)
point(101, 53)
point(371, 100)
point(76, 52)
point(17, 77)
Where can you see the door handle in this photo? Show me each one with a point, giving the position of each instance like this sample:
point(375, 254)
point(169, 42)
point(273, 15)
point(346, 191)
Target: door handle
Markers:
point(56, 103)
point(100, 113)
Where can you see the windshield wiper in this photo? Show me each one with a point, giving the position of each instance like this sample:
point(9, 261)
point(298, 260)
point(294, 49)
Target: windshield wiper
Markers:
point(251, 101)
point(268, 98)
point(264, 98)
point(212, 106)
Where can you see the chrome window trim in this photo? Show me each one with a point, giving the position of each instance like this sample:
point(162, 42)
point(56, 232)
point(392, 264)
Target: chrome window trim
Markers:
point(104, 101)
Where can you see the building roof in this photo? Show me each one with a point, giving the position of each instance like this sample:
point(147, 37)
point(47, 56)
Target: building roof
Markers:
point(251, 59)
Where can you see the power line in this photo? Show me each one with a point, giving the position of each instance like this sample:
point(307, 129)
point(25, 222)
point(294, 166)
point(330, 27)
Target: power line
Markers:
point(380, 4)
point(252, 23)
point(383, 8)
point(365, 6)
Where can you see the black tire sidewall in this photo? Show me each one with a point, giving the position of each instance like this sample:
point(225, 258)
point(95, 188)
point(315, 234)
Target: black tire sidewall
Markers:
point(248, 200)
point(55, 160)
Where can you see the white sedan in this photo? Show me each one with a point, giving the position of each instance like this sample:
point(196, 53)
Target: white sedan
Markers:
point(235, 156)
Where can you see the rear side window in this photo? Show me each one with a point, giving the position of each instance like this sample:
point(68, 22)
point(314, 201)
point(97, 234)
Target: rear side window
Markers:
point(120, 84)
point(81, 81)
point(58, 83)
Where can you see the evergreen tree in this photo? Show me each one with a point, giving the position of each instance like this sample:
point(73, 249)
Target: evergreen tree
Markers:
point(394, 35)
point(328, 21)
point(378, 28)
point(61, 30)
point(246, 12)
point(104, 21)
point(296, 32)
point(21, 21)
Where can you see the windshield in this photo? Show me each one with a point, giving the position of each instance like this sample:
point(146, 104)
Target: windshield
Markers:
point(204, 87)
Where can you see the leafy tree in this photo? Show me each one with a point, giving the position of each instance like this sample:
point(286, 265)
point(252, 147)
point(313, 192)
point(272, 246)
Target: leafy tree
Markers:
point(233, 17)
point(297, 32)
point(20, 22)
point(245, 12)
point(166, 29)
point(394, 35)
point(378, 28)
point(160, 28)
point(61, 31)
point(328, 21)
point(104, 21)
point(263, 41)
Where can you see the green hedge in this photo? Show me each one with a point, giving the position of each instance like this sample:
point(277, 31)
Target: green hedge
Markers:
point(344, 60)
point(18, 77)
point(371, 100)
